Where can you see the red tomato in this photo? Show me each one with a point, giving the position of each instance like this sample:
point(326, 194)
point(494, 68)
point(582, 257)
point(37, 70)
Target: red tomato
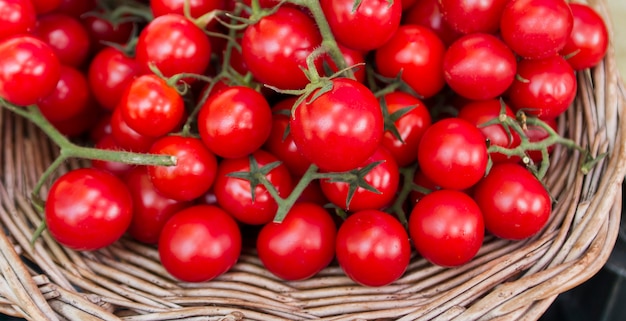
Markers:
point(70, 98)
point(447, 228)
point(373, 248)
point(29, 70)
point(514, 203)
point(275, 48)
point(536, 28)
point(453, 154)
point(44, 6)
point(235, 122)
point(481, 112)
point(411, 126)
point(589, 39)
point(199, 243)
point(103, 32)
point(174, 45)
point(151, 107)
point(66, 36)
point(116, 168)
point(418, 52)
point(110, 73)
point(427, 13)
point(378, 19)
point(193, 174)
point(88, 209)
point(479, 66)
point(126, 137)
point(545, 87)
point(235, 194)
point(301, 245)
point(385, 178)
point(353, 58)
point(472, 16)
point(340, 129)
point(197, 8)
point(150, 209)
point(536, 134)
point(16, 17)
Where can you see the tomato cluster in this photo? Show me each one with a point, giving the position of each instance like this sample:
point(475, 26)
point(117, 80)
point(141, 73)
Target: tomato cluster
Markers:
point(423, 124)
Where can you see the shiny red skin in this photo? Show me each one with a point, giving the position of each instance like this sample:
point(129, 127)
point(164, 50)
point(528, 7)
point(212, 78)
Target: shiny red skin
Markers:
point(183, 244)
point(301, 245)
point(16, 17)
point(88, 209)
point(128, 138)
point(589, 39)
point(29, 70)
point(373, 248)
point(66, 36)
point(110, 72)
point(341, 128)
point(71, 96)
point(447, 228)
point(472, 16)
point(514, 203)
point(197, 7)
point(427, 13)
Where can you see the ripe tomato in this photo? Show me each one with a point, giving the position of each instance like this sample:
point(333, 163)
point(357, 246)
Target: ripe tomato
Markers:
point(340, 129)
point(447, 227)
point(427, 13)
point(275, 48)
point(453, 154)
point(378, 19)
point(481, 112)
point(418, 52)
point(199, 243)
point(70, 98)
point(150, 209)
point(536, 134)
point(373, 248)
point(102, 31)
point(385, 178)
point(110, 73)
point(472, 16)
point(301, 245)
point(126, 137)
point(536, 28)
point(151, 107)
point(589, 39)
point(29, 70)
point(479, 66)
point(16, 17)
point(66, 36)
point(44, 6)
point(193, 174)
point(514, 203)
point(411, 126)
point(197, 8)
point(118, 169)
point(545, 87)
point(235, 122)
point(88, 209)
point(235, 194)
point(174, 45)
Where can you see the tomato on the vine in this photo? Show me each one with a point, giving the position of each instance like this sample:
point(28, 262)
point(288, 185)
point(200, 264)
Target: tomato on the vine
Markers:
point(88, 209)
point(110, 72)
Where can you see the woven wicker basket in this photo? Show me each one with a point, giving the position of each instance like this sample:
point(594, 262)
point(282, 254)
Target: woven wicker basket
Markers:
point(507, 280)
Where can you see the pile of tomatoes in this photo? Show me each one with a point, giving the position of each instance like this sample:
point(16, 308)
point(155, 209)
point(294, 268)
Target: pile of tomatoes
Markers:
point(356, 131)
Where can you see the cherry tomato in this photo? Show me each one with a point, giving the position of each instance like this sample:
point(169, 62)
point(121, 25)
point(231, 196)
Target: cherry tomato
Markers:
point(193, 174)
point(373, 248)
point(151, 107)
point(340, 129)
point(417, 52)
point(29, 70)
point(378, 19)
point(126, 137)
point(70, 97)
point(197, 8)
point(110, 73)
point(16, 17)
point(545, 87)
point(447, 227)
point(453, 154)
point(385, 178)
point(536, 28)
point(199, 243)
point(66, 36)
point(150, 209)
point(479, 66)
point(353, 58)
point(427, 13)
point(235, 122)
point(44, 6)
point(301, 245)
point(102, 31)
point(514, 203)
point(174, 45)
point(88, 209)
point(235, 194)
point(536, 134)
point(589, 39)
point(473, 16)
point(481, 112)
point(410, 126)
point(118, 169)
point(275, 48)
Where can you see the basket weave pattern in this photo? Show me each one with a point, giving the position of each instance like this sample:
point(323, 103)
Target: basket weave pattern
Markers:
point(507, 280)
